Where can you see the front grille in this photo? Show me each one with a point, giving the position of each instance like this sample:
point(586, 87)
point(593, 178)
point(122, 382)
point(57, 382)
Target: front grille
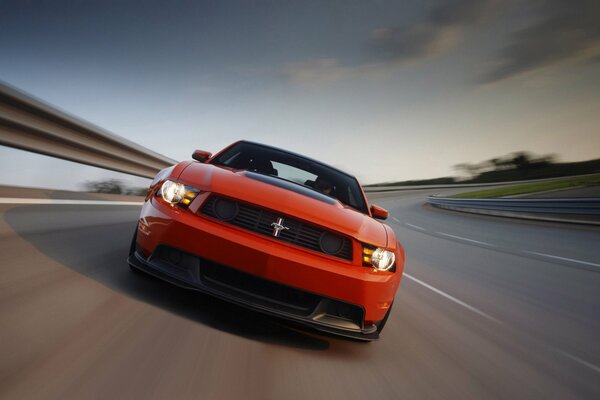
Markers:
point(259, 220)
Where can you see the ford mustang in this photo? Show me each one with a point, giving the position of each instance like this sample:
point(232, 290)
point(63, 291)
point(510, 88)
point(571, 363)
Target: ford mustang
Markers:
point(274, 231)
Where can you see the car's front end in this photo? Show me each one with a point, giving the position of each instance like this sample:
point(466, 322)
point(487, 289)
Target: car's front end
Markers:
point(249, 239)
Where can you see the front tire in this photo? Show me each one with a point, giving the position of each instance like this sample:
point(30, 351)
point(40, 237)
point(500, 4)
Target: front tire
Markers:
point(132, 247)
point(382, 323)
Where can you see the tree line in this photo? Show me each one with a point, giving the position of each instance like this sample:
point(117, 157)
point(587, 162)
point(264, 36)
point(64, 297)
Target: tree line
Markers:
point(113, 186)
point(516, 166)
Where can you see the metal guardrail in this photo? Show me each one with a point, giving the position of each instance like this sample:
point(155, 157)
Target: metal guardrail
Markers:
point(392, 188)
point(380, 189)
point(29, 124)
point(580, 206)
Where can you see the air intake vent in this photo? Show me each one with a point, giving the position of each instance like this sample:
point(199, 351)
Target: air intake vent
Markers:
point(261, 221)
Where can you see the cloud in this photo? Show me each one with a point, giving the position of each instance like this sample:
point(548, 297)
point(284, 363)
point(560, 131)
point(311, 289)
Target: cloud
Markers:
point(317, 71)
point(437, 32)
point(555, 32)
point(324, 70)
point(410, 43)
point(567, 32)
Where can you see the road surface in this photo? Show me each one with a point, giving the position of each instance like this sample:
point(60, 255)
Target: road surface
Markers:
point(488, 308)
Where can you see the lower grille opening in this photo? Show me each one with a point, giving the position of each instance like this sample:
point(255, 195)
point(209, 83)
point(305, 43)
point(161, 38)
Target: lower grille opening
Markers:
point(249, 288)
point(339, 314)
point(293, 300)
point(344, 311)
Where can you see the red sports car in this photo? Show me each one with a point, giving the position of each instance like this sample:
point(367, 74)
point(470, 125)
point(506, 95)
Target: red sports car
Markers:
point(273, 231)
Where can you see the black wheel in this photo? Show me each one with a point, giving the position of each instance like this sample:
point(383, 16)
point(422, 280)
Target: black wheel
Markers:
point(381, 324)
point(133, 241)
point(132, 250)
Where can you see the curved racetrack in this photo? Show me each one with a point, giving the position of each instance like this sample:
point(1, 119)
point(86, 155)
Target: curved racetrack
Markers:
point(489, 308)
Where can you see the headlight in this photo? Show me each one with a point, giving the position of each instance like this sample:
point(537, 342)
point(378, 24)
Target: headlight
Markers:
point(380, 259)
point(177, 193)
point(172, 192)
point(383, 259)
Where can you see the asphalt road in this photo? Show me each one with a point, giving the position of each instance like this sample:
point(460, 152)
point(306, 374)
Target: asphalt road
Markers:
point(488, 308)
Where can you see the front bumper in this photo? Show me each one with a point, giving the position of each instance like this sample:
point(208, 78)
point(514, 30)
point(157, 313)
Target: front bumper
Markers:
point(192, 272)
point(232, 248)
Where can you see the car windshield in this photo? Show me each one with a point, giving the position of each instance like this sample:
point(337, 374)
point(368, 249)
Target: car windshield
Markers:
point(294, 168)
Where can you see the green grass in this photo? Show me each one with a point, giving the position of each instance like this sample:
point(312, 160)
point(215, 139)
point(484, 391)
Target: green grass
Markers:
point(528, 188)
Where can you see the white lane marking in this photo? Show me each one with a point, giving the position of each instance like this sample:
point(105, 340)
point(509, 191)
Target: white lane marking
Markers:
point(415, 226)
point(466, 239)
point(579, 360)
point(396, 219)
point(10, 200)
point(454, 299)
point(563, 258)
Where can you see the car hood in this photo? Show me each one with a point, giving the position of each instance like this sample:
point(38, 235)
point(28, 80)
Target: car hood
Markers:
point(290, 200)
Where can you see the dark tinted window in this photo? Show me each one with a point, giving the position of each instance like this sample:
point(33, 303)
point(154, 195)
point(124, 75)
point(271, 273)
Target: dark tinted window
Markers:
point(294, 168)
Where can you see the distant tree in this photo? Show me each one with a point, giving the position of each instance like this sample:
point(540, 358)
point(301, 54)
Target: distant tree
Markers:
point(500, 163)
point(495, 163)
point(548, 159)
point(137, 191)
point(522, 161)
point(470, 169)
point(113, 186)
point(513, 166)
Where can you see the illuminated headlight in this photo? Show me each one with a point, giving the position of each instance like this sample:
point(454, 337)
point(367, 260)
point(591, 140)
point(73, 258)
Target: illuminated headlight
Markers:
point(379, 258)
point(178, 193)
point(383, 259)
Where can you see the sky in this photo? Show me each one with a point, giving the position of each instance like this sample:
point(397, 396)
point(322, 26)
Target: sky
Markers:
point(386, 90)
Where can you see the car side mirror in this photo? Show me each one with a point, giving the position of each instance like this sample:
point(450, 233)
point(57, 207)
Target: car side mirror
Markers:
point(379, 212)
point(201, 155)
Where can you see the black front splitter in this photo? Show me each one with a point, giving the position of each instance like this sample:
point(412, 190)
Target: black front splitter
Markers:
point(137, 262)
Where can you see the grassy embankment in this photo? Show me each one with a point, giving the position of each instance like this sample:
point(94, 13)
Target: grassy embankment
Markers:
point(529, 188)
